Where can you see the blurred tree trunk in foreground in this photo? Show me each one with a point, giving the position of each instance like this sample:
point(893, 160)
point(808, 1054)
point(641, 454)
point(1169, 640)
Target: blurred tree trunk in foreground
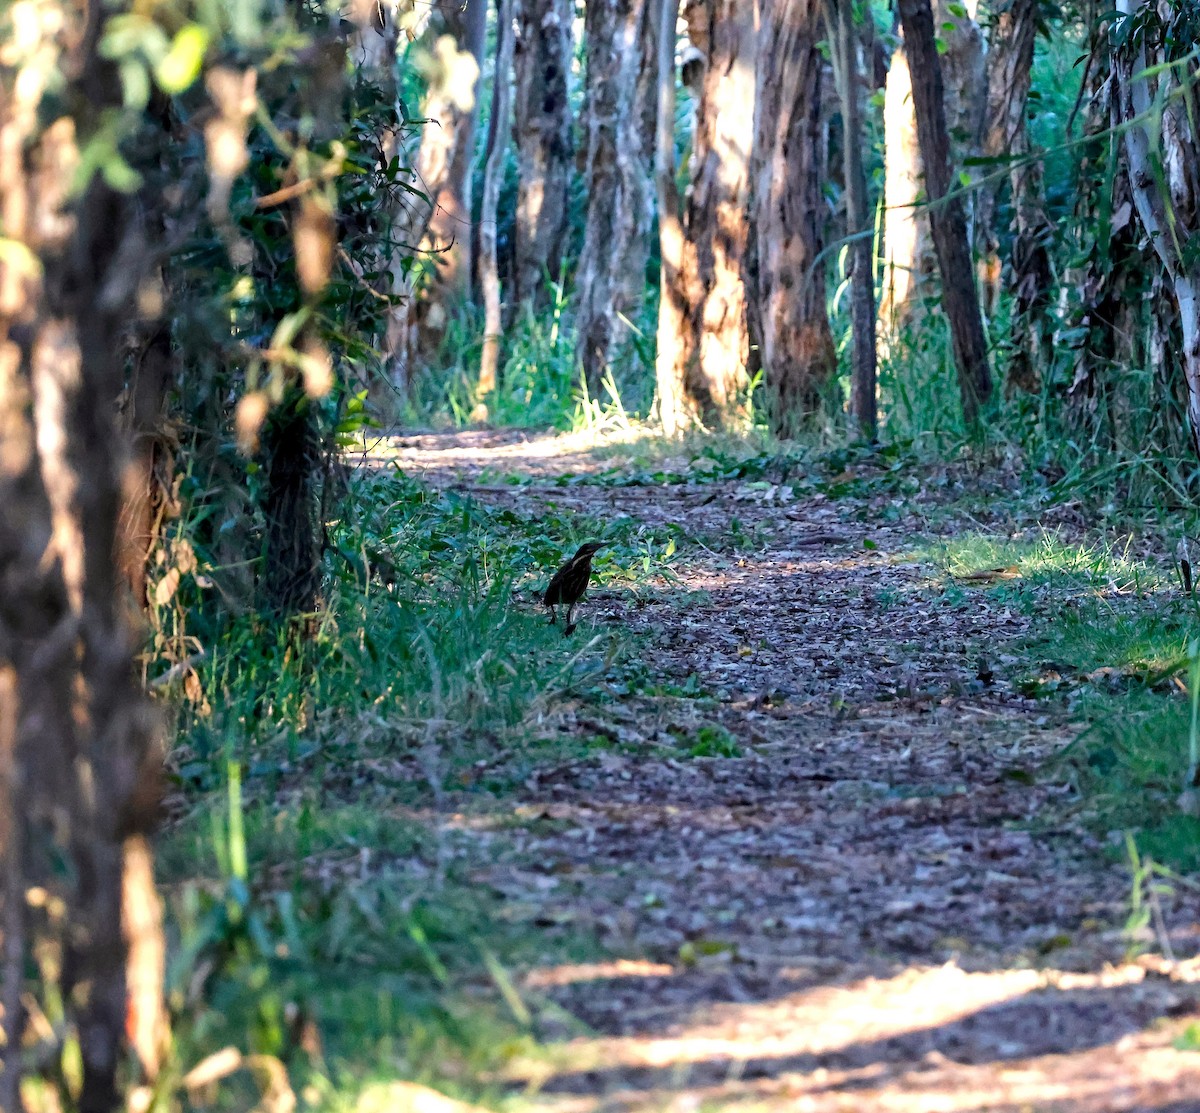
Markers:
point(75, 738)
point(1031, 275)
point(617, 176)
point(788, 314)
point(542, 130)
point(947, 216)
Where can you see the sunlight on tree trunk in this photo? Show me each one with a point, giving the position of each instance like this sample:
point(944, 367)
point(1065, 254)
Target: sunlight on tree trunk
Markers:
point(543, 132)
point(718, 203)
point(947, 217)
point(789, 318)
point(676, 351)
point(489, 270)
point(435, 214)
point(910, 262)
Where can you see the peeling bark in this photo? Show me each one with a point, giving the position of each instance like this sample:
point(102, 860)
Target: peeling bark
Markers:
point(910, 262)
point(718, 202)
point(1163, 182)
point(676, 350)
point(489, 269)
point(789, 319)
point(543, 134)
point(947, 217)
point(433, 220)
point(847, 46)
point(1031, 270)
point(617, 176)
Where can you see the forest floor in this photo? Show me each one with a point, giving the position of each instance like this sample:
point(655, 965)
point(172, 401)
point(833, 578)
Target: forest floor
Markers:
point(821, 841)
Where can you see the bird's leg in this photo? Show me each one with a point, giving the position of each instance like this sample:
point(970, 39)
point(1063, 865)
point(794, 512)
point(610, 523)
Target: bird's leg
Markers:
point(570, 611)
point(553, 615)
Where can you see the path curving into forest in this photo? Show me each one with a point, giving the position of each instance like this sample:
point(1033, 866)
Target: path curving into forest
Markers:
point(860, 890)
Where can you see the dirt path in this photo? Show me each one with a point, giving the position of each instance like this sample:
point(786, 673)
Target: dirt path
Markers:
point(869, 898)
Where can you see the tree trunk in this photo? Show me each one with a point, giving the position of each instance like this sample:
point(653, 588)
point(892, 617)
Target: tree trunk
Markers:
point(434, 216)
point(718, 202)
point(789, 318)
point(489, 269)
point(1163, 181)
point(946, 214)
point(910, 259)
point(543, 132)
point(290, 578)
point(1031, 274)
point(72, 723)
point(907, 257)
point(847, 43)
point(676, 350)
point(616, 172)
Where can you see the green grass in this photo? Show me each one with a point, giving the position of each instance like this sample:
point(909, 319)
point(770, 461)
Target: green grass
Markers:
point(311, 887)
point(1110, 644)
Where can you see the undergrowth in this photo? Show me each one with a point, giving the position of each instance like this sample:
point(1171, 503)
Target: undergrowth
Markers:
point(319, 919)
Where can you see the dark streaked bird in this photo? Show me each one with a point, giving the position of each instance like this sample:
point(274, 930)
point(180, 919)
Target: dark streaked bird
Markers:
point(571, 581)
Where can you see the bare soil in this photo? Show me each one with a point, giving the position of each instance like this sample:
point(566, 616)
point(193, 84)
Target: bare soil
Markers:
point(886, 900)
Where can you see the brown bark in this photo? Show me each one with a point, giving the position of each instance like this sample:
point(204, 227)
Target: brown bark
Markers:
point(1031, 271)
point(718, 202)
point(489, 268)
point(910, 261)
point(434, 218)
point(789, 319)
point(617, 175)
point(847, 45)
point(448, 144)
point(946, 213)
point(147, 495)
point(81, 737)
point(542, 130)
point(676, 349)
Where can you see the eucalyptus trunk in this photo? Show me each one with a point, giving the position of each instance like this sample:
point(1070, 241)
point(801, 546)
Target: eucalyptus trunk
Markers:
point(433, 217)
point(947, 216)
point(542, 129)
point(489, 267)
point(789, 318)
point(1162, 172)
point(608, 281)
point(847, 46)
point(1031, 278)
point(77, 762)
point(909, 254)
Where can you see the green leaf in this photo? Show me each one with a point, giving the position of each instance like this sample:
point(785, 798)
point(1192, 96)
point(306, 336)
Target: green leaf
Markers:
point(181, 64)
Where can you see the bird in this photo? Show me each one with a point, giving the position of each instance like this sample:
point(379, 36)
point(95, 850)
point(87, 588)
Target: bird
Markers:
point(569, 583)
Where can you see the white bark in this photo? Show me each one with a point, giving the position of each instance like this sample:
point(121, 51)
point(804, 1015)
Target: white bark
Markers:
point(489, 270)
point(1160, 211)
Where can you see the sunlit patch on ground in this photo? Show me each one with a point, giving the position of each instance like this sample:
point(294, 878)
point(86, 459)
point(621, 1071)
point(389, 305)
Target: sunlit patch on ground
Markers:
point(925, 1039)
